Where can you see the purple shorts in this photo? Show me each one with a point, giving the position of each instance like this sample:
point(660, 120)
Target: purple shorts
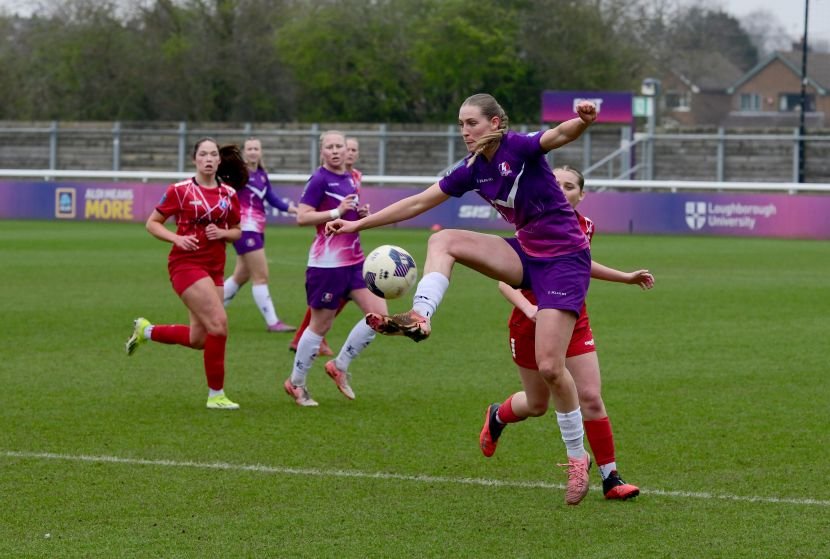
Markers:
point(560, 282)
point(325, 287)
point(249, 242)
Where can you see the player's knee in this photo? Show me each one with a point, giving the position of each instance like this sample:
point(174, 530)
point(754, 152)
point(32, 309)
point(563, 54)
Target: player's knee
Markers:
point(551, 370)
point(440, 241)
point(217, 325)
point(591, 403)
point(537, 409)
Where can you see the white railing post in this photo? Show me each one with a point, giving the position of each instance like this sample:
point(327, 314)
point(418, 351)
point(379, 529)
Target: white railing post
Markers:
point(53, 145)
point(313, 149)
point(382, 149)
point(116, 145)
point(182, 146)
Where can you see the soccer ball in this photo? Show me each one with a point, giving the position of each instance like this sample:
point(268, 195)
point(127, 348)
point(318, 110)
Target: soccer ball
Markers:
point(389, 271)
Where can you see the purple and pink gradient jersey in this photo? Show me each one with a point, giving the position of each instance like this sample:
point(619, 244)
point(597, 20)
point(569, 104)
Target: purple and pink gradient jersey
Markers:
point(519, 322)
point(324, 192)
point(252, 200)
point(519, 184)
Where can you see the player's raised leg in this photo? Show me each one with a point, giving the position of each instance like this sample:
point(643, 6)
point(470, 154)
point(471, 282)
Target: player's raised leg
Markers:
point(487, 254)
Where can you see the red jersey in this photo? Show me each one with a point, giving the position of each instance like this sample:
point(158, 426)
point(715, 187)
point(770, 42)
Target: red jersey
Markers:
point(195, 207)
point(357, 177)
point(519, 322)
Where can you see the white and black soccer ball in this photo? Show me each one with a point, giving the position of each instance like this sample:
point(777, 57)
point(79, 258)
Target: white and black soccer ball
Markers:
point(389, 271)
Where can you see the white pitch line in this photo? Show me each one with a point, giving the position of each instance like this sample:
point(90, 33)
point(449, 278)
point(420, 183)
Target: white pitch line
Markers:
point(314, 472)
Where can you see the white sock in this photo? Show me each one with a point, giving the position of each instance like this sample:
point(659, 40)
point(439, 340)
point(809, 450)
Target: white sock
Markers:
point(212, 392)
point(262, 298)
point(307, 349)
point(429, 293)
point(231, 287)
point(360, 337)
point(570, 425)
point(606, 469)
point(148, 332)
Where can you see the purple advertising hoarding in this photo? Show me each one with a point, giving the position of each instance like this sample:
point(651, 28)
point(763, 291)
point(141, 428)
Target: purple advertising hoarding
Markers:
point(612, 106)
point(688, 213)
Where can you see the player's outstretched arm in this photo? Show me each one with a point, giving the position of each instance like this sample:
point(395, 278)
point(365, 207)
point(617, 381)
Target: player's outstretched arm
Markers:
point(569, 130)
point(643, 278)
point(515, 297)
point(401, 210)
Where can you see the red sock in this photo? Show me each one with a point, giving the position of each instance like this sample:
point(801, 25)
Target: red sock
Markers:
point(177, 334)
point(215, 361)
point(307, 319)
point(506, 413)
point(601, 440)
point(301, 328)
point(342, 304)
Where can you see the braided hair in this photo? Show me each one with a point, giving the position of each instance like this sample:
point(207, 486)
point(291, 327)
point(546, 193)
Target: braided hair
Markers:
point(488, 143)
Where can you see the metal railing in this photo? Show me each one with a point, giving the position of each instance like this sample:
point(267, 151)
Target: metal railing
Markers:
point(596, 184)
point(633, 157)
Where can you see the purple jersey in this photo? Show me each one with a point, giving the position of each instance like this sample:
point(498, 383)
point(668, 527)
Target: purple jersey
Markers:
point(519, 184)
point(252, 200)
point(324, 192)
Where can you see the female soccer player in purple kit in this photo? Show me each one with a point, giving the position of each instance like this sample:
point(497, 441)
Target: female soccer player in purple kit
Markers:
point(334, 272)
point(549, 254)
point(250, 249)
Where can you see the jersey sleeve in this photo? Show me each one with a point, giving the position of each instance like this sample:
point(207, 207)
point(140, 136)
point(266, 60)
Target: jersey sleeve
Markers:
point(272, 198)
point(313, 191)
point(169, 203)
point(528, 145)
point(458, 181)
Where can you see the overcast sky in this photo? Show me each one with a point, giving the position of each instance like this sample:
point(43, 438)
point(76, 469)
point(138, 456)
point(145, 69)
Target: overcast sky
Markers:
point(790, 13)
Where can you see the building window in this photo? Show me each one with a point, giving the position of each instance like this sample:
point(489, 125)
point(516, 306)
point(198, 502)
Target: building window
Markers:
point(750, 102)
point(791, 102)
point(678, 100)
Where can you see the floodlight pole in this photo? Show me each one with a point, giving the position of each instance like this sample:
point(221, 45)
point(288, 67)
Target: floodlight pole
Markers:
point(802, 130)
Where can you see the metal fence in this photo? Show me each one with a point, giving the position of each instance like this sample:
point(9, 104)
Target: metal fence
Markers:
point(604, 151)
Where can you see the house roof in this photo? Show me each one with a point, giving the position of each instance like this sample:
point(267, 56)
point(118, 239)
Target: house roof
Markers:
point(818, 69)
point(705, 71)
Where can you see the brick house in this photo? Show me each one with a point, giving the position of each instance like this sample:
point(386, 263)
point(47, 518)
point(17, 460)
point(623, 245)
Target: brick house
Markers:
point(694, 90)
point(770, 94)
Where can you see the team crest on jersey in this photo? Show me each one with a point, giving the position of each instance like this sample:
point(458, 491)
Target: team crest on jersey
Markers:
point(504, 168)
point(223, 204)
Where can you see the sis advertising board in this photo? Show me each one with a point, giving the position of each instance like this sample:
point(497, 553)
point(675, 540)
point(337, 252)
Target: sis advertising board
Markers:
point(612, 106)
point(688, 213)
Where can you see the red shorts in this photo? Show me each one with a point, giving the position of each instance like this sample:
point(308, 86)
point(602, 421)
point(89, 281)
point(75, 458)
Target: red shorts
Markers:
point(523, 343)
point(184, 275)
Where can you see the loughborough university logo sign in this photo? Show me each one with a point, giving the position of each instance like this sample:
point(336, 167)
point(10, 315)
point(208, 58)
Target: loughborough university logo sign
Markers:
point(727, 215)
point(695, 215)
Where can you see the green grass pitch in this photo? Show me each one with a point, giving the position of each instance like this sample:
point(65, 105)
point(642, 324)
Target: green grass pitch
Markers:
point(715, 381)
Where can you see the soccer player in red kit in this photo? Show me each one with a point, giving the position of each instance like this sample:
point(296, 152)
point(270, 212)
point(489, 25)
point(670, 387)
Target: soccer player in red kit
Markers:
point(207, 214)
point(581, 360)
